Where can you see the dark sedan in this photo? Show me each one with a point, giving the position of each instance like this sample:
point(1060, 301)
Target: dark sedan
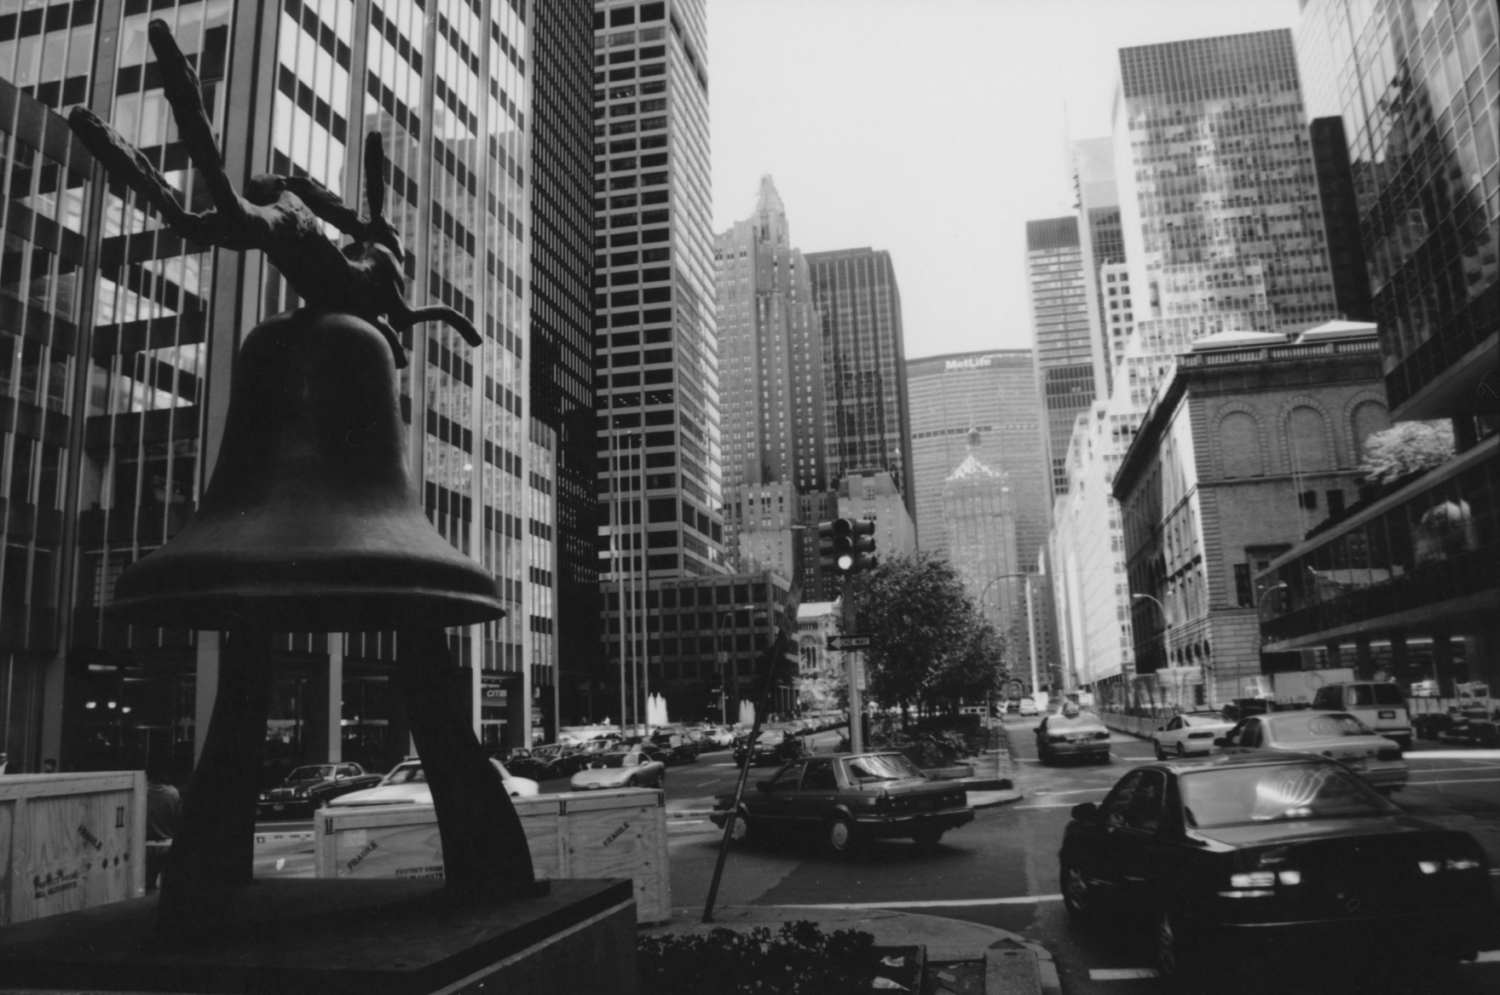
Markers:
point(848, 800)
point(773, 747)
point(1272, 854)
point(313, 786)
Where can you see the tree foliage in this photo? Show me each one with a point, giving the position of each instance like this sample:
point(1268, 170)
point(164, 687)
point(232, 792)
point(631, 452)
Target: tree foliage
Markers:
point(929, 645)
point(1406, 447)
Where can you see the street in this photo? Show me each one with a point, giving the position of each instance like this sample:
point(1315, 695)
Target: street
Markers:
point(1000, 870)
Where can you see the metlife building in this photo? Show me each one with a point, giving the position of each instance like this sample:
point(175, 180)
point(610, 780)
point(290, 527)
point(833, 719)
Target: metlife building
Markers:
point(993, 393)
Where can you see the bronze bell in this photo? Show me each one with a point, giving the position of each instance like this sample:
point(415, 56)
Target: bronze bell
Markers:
point(311, 522)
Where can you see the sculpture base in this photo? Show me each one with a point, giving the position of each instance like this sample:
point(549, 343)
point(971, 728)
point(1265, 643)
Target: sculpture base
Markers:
point(336, 937)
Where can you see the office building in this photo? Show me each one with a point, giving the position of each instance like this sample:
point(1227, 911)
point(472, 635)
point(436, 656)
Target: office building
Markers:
point(864, 366)
point(144, 326)
point(980, 523)
point(1222, 216)
point(1103, 242)
point(994, 394)
point(561, 357)
point(1058, 294)
point(1405, 583)
point(771, 383)
point(1119, 314)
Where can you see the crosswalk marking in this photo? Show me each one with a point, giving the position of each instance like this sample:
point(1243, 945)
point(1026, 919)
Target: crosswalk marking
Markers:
point(1121, 973)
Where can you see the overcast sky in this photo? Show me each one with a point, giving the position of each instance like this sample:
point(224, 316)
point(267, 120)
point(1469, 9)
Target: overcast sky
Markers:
point(933, 129)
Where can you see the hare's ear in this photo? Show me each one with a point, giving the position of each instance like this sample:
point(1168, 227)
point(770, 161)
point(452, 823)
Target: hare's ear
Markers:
point(375, 175)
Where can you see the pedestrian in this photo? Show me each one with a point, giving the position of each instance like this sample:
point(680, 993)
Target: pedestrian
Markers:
point(163, 807)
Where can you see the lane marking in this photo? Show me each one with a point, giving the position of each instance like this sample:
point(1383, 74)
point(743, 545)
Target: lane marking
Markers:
point(1121, 973)
point(945, 904)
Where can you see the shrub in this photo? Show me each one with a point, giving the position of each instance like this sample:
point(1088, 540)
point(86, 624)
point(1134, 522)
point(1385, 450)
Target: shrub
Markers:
point(800, 960)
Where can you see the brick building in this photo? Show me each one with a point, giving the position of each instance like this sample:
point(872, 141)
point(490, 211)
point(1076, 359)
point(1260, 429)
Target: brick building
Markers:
point(1251, 442)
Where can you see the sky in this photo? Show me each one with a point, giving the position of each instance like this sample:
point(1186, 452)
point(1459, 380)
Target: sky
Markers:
point(934, 130)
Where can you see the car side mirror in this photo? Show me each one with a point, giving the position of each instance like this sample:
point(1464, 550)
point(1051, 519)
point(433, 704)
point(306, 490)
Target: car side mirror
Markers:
point(762, 785)
point(1222, 741)
point(1086, 812)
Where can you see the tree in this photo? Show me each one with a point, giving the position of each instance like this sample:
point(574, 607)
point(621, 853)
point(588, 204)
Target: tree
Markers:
point(1406, 447)
point(929, 646)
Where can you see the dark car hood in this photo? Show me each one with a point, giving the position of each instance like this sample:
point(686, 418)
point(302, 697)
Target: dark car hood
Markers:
point(1305, 830)
point(289, 786)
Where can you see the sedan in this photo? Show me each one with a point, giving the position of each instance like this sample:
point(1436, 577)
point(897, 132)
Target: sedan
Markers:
point(314, 786)
point(1334, 735)
point(848, 800)
point(1189, 733)
point(1077, 735)
point(1272, 853)
point(719, 735)
point(633, 769)
point(406, 784)
point(772, 747)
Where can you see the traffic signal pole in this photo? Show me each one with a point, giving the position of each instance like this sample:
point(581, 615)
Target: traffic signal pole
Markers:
point(856, 702)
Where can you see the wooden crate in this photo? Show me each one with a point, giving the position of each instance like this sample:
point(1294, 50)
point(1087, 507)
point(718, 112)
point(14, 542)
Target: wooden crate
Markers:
point(595, 834)
point(70, 841)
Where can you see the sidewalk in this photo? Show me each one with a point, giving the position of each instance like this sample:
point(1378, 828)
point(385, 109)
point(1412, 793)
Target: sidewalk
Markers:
point(1013, 966)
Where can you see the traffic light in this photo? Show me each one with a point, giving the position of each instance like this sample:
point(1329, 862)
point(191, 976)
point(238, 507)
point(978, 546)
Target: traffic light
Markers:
point(854, 545)
point(826, 551)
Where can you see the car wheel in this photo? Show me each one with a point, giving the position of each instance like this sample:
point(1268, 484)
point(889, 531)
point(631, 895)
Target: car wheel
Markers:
point(843, 835)
point(1181, 753)
point(1160, 753)
point(927, 838)
point(1078, 899)
point(1176, 962)
point(739, 830)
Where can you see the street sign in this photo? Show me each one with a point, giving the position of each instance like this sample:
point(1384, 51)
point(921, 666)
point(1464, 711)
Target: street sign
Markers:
point(836, 643)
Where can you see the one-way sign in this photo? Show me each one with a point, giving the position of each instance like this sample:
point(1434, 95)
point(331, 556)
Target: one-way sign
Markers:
point(836, 643)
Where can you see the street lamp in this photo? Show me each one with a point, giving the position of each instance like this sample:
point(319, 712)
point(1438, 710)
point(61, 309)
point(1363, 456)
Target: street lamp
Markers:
point(719, 649)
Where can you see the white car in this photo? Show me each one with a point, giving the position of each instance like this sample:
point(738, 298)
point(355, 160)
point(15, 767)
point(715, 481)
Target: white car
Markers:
point(407, 784)
point(1189, 733)
point(1028, 707)
point(621, 770)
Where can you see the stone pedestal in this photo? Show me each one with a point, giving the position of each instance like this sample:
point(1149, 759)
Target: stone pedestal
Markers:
point(342, 938)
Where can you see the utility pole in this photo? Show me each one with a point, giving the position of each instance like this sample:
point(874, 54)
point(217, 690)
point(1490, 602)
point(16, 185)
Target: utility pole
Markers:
point(847, 546)
point(852, 663)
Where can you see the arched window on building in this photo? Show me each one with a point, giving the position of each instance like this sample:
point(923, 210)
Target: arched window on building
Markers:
point(1239, 441)
point(1307, 439)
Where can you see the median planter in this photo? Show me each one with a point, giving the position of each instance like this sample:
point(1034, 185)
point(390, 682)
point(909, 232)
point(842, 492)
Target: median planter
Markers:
point(799, 960)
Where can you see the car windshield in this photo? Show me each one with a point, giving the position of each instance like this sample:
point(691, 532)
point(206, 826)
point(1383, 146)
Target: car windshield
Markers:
point(1227, 796)
point(310, 774)
point(882, 767)
point(1316, 725)
point(406, 774)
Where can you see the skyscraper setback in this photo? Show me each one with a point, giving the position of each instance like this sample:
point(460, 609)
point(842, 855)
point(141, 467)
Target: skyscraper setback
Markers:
point(864, 366)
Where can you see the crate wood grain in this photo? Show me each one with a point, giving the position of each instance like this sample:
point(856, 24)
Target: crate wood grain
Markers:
point(597, 834)
point(70, 841)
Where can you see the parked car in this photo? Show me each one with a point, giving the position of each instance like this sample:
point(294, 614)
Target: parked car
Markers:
point(407, 784)
point(545, 763)
point(1028, 707)
point(1189, 733)
point(312, 787)
point(1273, 851)
point(1380, 705)
point(621, 769)
point(719, 736)
point(847, 800)
point(772, 747)
point(1335, 735)
point(1072, 733)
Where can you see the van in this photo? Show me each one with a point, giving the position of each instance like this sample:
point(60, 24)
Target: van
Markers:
point(1378, 704)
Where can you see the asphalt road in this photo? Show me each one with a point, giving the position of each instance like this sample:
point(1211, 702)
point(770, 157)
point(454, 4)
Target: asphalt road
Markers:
point(1000, 870)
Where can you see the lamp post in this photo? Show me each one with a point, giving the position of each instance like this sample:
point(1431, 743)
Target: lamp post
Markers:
point(719, 648)
point(1030, 620)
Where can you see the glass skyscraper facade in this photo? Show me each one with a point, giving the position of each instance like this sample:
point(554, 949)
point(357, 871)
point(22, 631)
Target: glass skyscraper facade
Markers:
point(1057, 290)
point(1218, 190)
point(864, 366)
point(140, 389)
point(656, 342)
